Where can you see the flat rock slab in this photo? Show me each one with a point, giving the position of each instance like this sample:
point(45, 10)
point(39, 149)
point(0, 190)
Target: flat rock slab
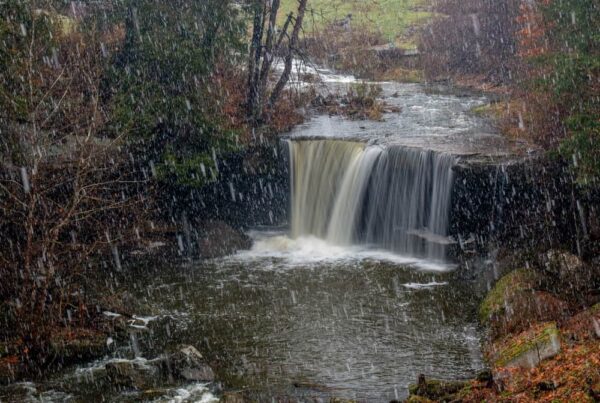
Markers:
point(530, 348)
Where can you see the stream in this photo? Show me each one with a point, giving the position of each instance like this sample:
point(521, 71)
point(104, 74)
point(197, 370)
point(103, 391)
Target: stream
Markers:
point(354, 302)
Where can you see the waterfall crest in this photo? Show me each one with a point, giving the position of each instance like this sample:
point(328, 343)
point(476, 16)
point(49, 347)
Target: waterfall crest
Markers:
point(396, 198)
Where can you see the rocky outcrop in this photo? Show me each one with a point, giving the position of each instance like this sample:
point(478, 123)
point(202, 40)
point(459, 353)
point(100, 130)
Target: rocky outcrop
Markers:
point(184, 365)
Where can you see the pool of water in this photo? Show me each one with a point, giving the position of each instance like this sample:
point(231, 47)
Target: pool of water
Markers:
point(293, 320)
point(290, 320)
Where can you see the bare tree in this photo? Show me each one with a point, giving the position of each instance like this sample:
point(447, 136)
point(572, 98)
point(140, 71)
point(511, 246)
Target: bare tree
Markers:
point(65, 195)
point(263, 49)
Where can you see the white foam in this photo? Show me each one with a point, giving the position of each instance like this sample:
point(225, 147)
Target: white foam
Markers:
point(420, 286)
point(309, 250)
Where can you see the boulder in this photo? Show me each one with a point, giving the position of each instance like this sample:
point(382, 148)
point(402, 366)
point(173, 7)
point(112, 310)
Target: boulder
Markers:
point(529, 348)
point(132, 374)
point(436, 390)
point(219, 239)
point(188, 364)
point(231, 397)
point(568, 275)
point(512, 283)
point(584, 326)
point(524, 308)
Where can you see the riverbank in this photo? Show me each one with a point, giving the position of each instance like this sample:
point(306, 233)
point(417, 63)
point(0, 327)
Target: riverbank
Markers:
point(542, 320)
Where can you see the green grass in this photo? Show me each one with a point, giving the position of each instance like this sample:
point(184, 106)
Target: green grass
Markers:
point(390, 17)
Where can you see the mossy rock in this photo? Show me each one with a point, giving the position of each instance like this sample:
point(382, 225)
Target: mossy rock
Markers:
point(530, 348)
point(437, 390)
point(516, 281)
point(417, 399)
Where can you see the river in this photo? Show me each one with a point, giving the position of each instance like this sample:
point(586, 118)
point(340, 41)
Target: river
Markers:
point(349, 299)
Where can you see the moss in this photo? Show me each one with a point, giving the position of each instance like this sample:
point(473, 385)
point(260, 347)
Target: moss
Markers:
point(518, 280)
point(526, 342)
point(482, 110)
point(417, 399)
point(437, 390)
point(492, 110)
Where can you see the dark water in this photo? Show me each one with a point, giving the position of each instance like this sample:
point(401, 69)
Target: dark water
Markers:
point(303, 320)
point(354, 327)
point(293, 320)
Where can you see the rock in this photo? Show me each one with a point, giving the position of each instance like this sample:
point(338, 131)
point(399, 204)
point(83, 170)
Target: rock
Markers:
point(231, 397)
point(569, 275)
point(530, 348)
point(525, 308)
point(510, 284)
point(189, 365)
point(563, 264)
point(131, 374)
point(485, 376)
point(68, 346)
point(219, 239)
point(436, 390)
point(585, 325)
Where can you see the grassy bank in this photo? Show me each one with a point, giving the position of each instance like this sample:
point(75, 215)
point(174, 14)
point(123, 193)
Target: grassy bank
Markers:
point(393, 19)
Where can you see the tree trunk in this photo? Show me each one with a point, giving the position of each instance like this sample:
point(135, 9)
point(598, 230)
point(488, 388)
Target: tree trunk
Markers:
point(254, 59)
point(289, 58)
point(269, 52)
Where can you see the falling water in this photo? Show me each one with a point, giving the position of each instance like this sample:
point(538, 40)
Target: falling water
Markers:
point(397, 198)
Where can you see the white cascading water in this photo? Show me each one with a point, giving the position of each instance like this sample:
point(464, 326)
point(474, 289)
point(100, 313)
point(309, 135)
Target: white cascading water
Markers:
point(396, 198)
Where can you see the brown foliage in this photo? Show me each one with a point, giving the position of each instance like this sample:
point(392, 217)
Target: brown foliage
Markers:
point(66, 193)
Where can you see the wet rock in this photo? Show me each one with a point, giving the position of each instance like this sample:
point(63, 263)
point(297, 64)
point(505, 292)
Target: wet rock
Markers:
point(435, 390)
point(131, 374)
point(231, 397)
point(78, 345)
point(509, 285)
point(530, 348)
point(188, 364)
point(568, 275)
point(585, 325)
point(485, 376)
point(219, 239)
point(525, 308)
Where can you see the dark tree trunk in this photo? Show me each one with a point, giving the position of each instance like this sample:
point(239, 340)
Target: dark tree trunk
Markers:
point(254, 59)
point(289, 58)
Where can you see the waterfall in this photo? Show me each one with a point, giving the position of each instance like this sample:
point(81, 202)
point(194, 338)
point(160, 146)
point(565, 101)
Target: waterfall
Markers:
point(396, 198)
